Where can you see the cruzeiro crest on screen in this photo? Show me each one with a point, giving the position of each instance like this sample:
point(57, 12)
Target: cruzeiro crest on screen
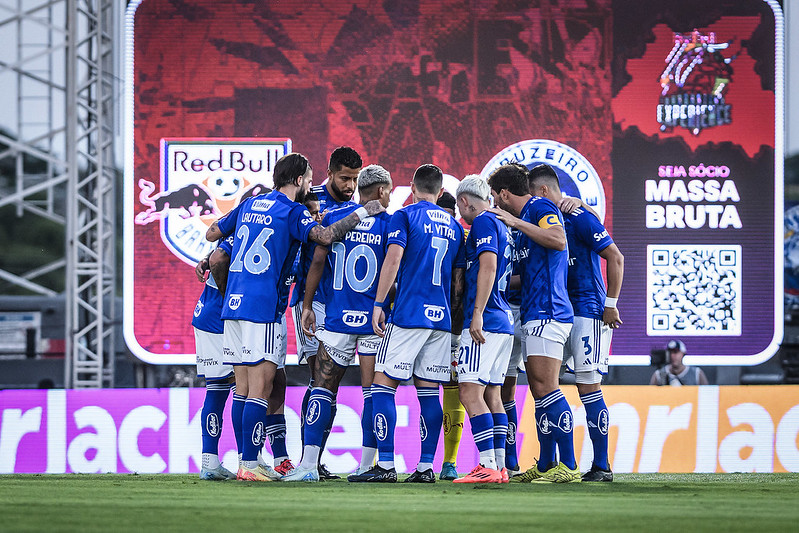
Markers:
point(577, 176)
point(201, 180)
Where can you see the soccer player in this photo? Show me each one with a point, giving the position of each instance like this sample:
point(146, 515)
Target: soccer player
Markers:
point(348, 272)
point(426, 256)
point(454, 413)
point(595, 311)
point(546, 315)
point(487, 336)
point(342, 179)
point(208, 327)
point(268, 229)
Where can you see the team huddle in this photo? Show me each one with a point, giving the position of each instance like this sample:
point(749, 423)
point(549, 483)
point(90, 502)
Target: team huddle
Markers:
point(415, 296)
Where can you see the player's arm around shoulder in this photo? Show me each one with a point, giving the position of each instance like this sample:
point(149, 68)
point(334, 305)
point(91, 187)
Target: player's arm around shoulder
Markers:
point(335, 232)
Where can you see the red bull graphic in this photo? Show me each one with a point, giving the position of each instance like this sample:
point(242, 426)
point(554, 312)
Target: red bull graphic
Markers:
point(201, 180)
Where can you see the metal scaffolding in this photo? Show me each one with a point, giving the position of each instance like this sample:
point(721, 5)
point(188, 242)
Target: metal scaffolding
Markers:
point(60, 93)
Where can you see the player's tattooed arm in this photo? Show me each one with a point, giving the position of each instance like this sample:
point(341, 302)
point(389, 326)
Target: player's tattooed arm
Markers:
point(388, 273)
point(213, 233)
point(315, 271)
point(219, 262)
point(615, 261)
point(201, 270)
point(553, 237)
point(335, 232)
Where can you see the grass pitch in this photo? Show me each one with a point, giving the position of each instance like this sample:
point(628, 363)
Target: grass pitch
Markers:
point(640, 502)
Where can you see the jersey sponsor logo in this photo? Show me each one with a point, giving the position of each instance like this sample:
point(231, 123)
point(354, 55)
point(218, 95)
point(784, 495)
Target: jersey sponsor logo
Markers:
point(365, 225)
point(314, 408)
point(258, 434)
point(577, 176)
point(544, 425)
point(212, 424)
point(394, 234)
point(434, 313)
point(234, 302)
point(439, 216)
point(262, 205)
point(202, 180)
point(354, 318)
point(599, 236)
point(381, 427)
point(484, 240)
point(198, 309)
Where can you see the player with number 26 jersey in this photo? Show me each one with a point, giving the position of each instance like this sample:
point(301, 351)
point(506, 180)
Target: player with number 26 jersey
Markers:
point(270, 230)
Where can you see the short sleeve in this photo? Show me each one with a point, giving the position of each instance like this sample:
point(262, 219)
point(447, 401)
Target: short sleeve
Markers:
point(300, 222)
point(593, 233)
point(398, 229)
point(227, 224)
point(226, 245)
point(484, 233)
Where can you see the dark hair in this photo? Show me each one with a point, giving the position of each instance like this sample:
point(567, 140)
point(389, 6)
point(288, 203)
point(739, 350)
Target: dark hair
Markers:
point(512, 177)
point(428, 179)
point(310, 196)
point(543, 174)
point(288, 168)
point(344, 156)
point(446, 200)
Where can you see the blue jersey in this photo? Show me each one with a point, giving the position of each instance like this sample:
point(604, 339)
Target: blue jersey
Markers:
point(489, 234)
point(208, 311)
point(349, 282)
point(326, 202)
point(543, 270)
point(268, 229)
point(514, 296)
point(587, 238)
point(433, 242)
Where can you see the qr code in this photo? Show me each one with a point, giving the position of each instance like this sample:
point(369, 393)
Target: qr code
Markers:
point(693, 290)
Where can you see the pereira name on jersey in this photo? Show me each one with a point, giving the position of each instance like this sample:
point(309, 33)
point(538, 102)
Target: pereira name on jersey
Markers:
point(349, 282)
point(268, 229)
point(587, 238)
point(543, 270)
point(433, 242)
point(489, 234)
point(208, 311)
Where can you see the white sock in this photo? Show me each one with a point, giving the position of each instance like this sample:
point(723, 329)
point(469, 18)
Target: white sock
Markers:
point(239, 460)
point(388, 465)
point(310, 457)
point(421, 467)
point(487, 459)
point(250, 465)
point(368, 457)
point(499, 455)
point(210, 461)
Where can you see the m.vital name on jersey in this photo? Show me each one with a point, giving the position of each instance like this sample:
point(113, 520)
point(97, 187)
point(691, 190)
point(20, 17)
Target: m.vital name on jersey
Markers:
point(438, 229)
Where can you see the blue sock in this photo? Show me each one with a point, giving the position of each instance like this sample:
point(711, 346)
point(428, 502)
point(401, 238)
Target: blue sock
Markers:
point(329, 427)
point(430, 421)
point(500, 433)
point(385, 421)
point(367, 428)
point(483, 431)
point(253, 427)
point(304, 411)
point(546, 440)
point(318, 416)
point(511, 456)
point(236, 417)
point(215, 397)
point(561, 425)
point(597, 416)
point(276, 432)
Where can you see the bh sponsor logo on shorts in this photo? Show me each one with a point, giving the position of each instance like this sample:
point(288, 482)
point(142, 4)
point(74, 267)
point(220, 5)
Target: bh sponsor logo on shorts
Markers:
point(511, 438)
point(577, 176)
point(381, 427)
point(434, 313)
point(258, 434)
point(355, 318)
point(198, 309)
point(544, 426)
point(212, 425)
point(234, 302)
point(313, 411)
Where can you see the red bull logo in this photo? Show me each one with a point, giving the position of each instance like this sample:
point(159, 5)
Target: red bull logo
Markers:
point(202, 180)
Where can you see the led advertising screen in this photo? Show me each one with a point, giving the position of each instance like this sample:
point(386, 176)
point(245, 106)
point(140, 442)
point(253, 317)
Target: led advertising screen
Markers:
point(664, 117)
